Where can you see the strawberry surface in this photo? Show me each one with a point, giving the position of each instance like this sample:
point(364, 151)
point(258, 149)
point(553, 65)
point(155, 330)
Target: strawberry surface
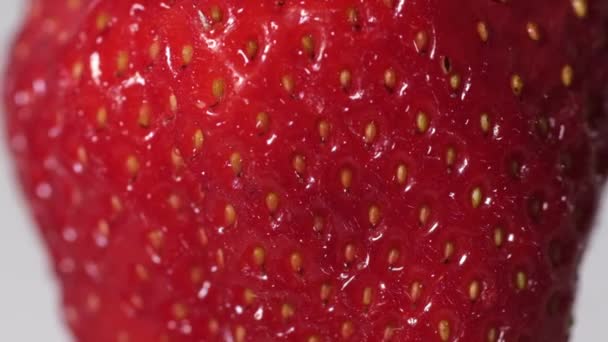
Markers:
point(421, 170)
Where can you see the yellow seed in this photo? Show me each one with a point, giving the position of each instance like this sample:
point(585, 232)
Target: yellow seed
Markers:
point(308, 45)
point(401, 174)
point(346, 178)
point(352, 16)
point(229, 215)
point(132, 165)
point(122, 62)
point(347, 330)
point(198, 139)
point(567, 75)
point(374, 215)
point(180, 311)
point(313, 338)
point(415, 291)
point(196, 275)
point(390, 78)
point(77, 70)
point(240, 333)
point(455, 81)
point(187, 54)
point(345, 78)
point(102, 117)
point(476, 197)
point(259, 256)
point(425, 213)
point(444, 330)
point(236, 162)
point(371, 131)
point(421, 41)
point(492, 335)
point(393, 256)
point(216, 14)
point(296, 262)
point(521, 280)
point(517, 84)
point(173, 103)
point(450, 156)
point(251, 49)
point(176, 158)
point(367, 296)
point(262, 122)
point(498, 237)
point(287, 311)
point(484, 121)
point(288, 83)
point(272, 202)
point(154, 50)
point(325, 292)
point(249, 296)
point(102, 21)
point(474, 290)
point(422, 122)
point(299, 164)
point(324, 130)
point(156, 239)
point(533, 31)
point(482, 31)
point(143, 119)
point(448, 251)
point(218, 88)
point(580, 8)
point(350, 253)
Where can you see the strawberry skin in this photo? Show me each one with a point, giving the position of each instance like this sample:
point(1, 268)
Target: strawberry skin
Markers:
point(418, 170)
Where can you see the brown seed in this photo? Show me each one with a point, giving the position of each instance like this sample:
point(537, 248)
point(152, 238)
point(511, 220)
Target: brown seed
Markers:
point(484, 121)
point(187, 54)
point(176, 158)
point(77, 70)
point(240, 333)
point(180, 311)
point(122, 62)
point(346, 78)
point(308, 45)
point(393, 256)
point(347, 330)
point(143, 118)
point(229, 215)
point(299, 164)
point(116, 203)
point(450, 156)
point(448, 251)
point(401, 174)
point(492, 335)
point(272, 202)
point(371, 131)
point(374, 215)
point(156, 239)
point(533, 31)
point(346, 178)
point(444, 330)
point(389, 331)
point(314, 338)
point(367, 296)
point(198, 139)
point(216, 14)
point(287, 311)
point(262, 122)
point(236, 162)
point(517, 84)
point(259, 256)
point(390, 78)
point(415, 291)
point(318, 224)
point(296, 262)
point(425, 213)
point(219, 258)
point(249, 296)
point(102, 21)
point(288, 83)
point(422, 122)
point(350, 253)
point(482, 31)
point(324, 130)
point(352, 16)
point(102, 117)
point(196, 275)
point(213, 326)
point(141, 272)
point(580, 8)
point(421, 41)
point(567, 75)
point(132, 165)
point(474, 290)
point(218, 88)
point(81, 155)
point(251, 49)
point(498, 237)
point(103, 227)
point(154, 50)
point(521, 280)
point(325, 292)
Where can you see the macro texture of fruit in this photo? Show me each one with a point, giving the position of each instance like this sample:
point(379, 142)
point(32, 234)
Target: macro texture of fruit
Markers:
point(312, 170)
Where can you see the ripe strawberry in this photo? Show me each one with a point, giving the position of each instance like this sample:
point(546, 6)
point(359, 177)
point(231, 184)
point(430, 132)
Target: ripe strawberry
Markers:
point(418, 170)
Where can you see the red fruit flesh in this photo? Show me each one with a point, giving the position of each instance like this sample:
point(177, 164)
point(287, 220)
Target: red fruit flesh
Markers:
point(312, 170)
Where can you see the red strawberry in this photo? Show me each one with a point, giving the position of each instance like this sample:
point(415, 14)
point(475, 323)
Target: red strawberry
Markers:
point(419, 170)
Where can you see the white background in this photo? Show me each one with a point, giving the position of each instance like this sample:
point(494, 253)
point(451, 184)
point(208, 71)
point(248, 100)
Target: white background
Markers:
point(28, 298)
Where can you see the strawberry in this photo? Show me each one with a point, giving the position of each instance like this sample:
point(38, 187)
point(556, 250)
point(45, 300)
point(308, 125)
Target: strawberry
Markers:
point(417, 170)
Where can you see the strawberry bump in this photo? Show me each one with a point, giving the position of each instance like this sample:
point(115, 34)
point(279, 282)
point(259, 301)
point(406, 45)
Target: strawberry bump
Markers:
point(312, 170)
